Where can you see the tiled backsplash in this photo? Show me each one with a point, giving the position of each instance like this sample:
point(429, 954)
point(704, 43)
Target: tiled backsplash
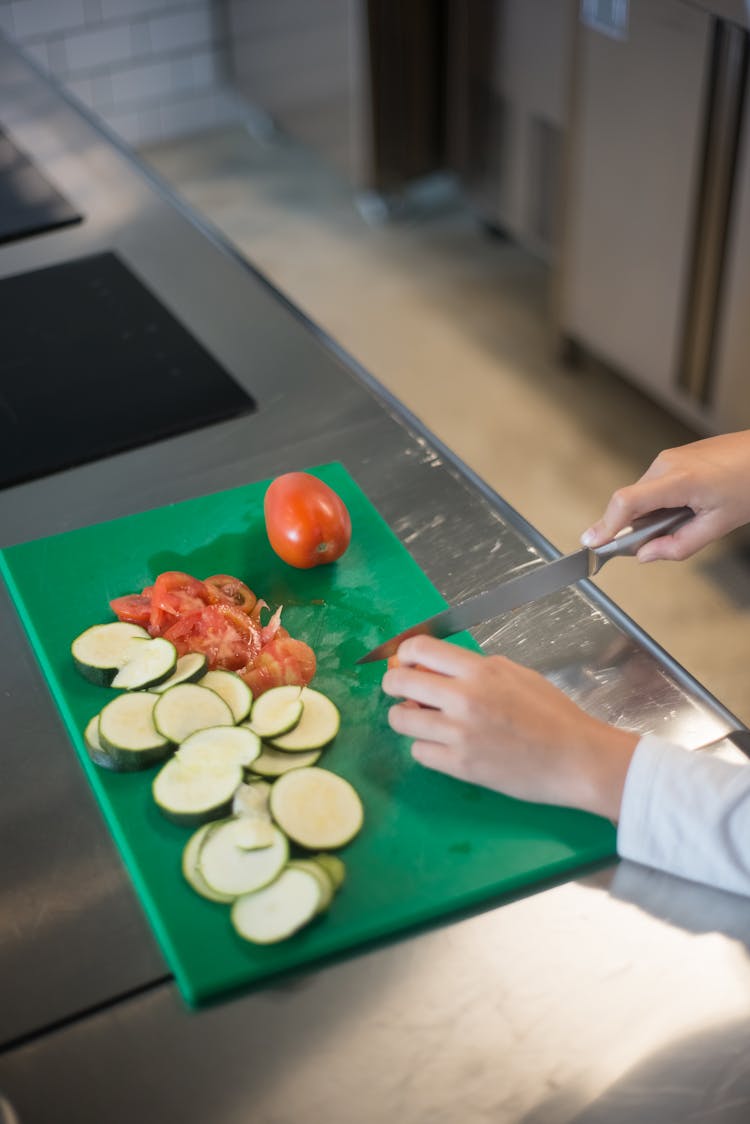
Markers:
point(153, 69)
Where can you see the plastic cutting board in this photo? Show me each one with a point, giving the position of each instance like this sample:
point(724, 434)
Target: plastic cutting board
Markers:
point(430, 847)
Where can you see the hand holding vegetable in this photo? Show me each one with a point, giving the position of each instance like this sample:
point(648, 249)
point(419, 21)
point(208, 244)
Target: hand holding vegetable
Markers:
point(711, 476)
point(489, 721)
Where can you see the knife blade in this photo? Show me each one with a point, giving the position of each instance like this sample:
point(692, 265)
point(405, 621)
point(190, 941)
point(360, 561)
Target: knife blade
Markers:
point(546, 578)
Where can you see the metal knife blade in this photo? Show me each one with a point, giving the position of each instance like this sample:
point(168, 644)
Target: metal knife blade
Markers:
point(546, 578)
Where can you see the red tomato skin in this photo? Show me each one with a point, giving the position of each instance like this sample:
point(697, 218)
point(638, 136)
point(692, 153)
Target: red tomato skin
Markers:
point(234, 591)
point(135, 608)
point(306, 521)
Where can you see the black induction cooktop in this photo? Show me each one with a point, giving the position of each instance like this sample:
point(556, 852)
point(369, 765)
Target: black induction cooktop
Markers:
point(29, 204)
point(92, 363)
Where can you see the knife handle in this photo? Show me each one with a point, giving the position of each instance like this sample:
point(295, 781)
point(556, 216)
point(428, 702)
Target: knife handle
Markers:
point(629, 541)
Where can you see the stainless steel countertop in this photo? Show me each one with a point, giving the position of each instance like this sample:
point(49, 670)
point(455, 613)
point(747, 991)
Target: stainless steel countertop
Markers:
point(621, 995)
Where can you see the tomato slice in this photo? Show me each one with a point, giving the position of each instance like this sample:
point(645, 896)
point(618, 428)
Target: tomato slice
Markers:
point(232, 590)
point(226, 636)
point(282, 661)
point(135, 608)
point(175, 594)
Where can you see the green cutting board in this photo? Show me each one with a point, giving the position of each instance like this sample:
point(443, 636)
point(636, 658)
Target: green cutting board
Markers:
point(430, 845)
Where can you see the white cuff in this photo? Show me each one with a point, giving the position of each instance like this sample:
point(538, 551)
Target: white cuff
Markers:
point(688, 813)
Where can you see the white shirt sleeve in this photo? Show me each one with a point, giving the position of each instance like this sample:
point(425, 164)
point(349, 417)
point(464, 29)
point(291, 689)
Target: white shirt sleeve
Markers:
point(687, 812)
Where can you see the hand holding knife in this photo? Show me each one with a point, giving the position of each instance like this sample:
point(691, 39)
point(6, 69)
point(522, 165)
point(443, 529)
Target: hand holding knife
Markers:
point(540, 581)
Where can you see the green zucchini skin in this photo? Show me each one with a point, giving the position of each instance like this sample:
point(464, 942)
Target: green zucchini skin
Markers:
point(197, 819)
point(98, 673)
point(129, 760)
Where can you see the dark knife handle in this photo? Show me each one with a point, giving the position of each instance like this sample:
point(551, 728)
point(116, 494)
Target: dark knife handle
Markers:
point(629, 541)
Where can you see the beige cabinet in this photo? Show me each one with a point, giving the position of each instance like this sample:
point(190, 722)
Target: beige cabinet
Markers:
point(634, 174)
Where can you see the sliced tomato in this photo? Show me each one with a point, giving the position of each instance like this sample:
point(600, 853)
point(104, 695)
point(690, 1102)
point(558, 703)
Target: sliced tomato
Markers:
point(232, 590)
point(226, 636)
point(174, 595)
point(282, 661)
point(135, 608)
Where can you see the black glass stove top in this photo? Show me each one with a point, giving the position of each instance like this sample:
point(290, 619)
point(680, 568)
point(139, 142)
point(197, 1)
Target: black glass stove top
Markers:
point(29, 204)
point(92, 363)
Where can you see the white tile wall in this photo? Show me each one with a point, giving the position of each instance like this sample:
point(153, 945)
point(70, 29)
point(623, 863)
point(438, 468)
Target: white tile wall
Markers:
point(153, 69)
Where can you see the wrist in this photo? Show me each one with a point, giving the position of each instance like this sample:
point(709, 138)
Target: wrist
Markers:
point(609, 753)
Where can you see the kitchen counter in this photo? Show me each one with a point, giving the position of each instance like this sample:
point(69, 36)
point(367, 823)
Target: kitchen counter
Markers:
point(619, 995)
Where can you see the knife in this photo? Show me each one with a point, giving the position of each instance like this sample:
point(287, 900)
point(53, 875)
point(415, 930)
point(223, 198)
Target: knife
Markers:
point(544, 579)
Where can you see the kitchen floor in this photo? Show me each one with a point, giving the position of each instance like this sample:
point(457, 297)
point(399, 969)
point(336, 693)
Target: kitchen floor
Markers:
point(455, 322)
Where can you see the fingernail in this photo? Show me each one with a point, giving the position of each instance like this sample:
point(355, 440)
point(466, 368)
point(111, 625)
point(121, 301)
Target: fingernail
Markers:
point(588, 537)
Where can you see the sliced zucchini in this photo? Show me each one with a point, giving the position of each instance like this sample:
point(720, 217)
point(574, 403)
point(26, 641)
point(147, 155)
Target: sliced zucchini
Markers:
point(255, 832)
point(317, 726)
point(93, 745)
point(191, 871)
point(230, 868)
point(187, 669)
point(101, 650)
point(275, 762)
point(281, 909)
point(188, 707)
point(250, 804)
point(276, 711)
point(334, 867)
point(316, 808)
point(317, 871)
point(233, 690)
point(191, 794)
point(152, 661)
point(249, 799)
point(217, 746)
point(128, 738)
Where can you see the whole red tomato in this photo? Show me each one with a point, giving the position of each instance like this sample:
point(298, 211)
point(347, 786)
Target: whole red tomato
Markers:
point(307, 523)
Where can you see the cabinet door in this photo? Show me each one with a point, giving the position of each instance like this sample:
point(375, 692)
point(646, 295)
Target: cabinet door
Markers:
point(634, 163)
point(730, 383)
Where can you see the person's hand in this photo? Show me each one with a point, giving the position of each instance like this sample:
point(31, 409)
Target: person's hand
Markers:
point(711, 476)
point(490, 721)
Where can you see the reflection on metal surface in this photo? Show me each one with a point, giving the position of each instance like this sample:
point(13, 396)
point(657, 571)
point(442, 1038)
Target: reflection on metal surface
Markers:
point(625, 988)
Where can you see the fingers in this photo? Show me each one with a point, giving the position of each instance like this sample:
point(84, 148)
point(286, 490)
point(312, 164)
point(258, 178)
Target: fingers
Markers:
point(438, 757)
point(436, 655)
point(421, 723)
point(685, 542)
point(629, 503)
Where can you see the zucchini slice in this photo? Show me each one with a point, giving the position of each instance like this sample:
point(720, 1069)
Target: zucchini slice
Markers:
point(255, 832)
point(128, 738)
point(334, 867)
point(317, 871)
point(276, 912)
point(317, 726)
point(94, 748)
point(230, 868)
point(189, 794)
point(187, 669)
point(217, 746)
point(101, 650)
point(152, 661)
point(250, 805)
point(316, 808)
point(249, 799)
point(275, 762)
point(276, 711)
point(190, 867)
point(188, 707)
point(233, 690)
